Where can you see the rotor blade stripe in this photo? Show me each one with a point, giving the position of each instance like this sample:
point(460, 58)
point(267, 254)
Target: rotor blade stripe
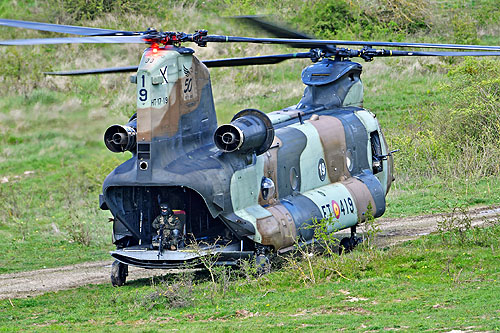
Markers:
point(312, 43)
point(444, 54)
point(75, 40)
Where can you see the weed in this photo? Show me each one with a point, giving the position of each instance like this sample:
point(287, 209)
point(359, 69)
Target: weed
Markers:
point(248, 270)
point(209, 257)
point(457, 228)
point(166, 294)
point(372, 228)
point(224, 276)
point(324, 234)
point(301, 260)
point(79, 230)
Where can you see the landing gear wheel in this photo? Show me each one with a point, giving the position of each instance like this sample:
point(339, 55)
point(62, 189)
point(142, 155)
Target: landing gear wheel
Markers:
point(263, 264)
point(119, 273)
point(345, 245)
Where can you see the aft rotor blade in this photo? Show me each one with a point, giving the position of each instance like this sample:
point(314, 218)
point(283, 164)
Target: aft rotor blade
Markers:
point(127, 69)
point(446, 54)
point(276, 30)
point(67, 29)
point(369, 54)
point(76, 40)
point(317, 43)
point(260, 60)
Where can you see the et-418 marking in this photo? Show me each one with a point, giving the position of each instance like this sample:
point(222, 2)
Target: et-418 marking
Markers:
point(346, 207)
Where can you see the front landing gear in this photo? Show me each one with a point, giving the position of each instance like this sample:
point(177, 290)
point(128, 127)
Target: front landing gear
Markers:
point(262, 262)
point(347, 244)
point(119, 272)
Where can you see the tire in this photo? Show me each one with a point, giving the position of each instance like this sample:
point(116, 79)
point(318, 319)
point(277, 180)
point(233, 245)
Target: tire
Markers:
point(345, 245)
point(263, 264)
point(119, 273)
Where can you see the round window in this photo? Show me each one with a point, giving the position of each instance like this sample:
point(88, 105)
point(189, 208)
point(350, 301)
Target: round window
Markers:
point(267, 188)
point(294, 179)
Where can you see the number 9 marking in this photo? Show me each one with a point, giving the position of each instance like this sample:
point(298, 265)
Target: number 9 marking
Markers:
point(143, 95)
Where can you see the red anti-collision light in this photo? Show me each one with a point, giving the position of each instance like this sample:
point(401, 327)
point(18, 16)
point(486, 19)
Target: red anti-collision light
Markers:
point(154, 47)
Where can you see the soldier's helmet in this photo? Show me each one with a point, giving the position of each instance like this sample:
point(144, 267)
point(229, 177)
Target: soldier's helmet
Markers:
point(165, 210)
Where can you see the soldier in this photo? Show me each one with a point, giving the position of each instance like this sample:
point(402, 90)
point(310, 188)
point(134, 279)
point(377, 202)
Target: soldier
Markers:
point(171, 225)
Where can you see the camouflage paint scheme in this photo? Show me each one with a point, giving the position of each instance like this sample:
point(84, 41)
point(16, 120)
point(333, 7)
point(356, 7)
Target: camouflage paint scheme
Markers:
point(320, 161)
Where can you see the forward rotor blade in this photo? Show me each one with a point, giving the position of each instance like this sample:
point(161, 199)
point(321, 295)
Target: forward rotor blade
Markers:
point(127, 69)
point(260, 60)
point(317, 43)
point(67, 29)
point(76, 40)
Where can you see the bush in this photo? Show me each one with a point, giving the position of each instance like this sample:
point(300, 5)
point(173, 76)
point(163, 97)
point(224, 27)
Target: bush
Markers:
point(365, 19)
point(474, 115)
point(90, 9)
point(457, 137)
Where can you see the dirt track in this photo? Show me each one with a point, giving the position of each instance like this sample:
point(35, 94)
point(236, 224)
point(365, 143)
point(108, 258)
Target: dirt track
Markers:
point(25, 284)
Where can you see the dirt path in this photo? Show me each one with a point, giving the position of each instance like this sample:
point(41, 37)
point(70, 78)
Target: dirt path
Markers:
point(398, 230)
point(25, 284)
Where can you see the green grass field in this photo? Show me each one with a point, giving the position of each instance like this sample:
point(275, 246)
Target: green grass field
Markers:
point(435, 283)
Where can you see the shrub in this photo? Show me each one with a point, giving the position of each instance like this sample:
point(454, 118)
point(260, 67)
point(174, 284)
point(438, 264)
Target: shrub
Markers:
point(90, 9)
point(457, 137)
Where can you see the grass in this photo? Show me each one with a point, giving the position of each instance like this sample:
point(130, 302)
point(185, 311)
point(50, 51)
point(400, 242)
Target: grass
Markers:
point(437, 283)
point(53, 162)
point(436, 195)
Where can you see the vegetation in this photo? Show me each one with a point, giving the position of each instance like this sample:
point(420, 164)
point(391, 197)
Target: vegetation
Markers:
point(451, 282)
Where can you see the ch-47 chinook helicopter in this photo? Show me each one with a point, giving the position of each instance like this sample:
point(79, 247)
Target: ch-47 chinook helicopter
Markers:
point(257, 184)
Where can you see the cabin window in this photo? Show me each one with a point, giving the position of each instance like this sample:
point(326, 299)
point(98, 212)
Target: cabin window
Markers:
point(377, 157)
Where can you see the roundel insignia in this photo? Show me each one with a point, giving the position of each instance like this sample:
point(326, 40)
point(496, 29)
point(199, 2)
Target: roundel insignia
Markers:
point(322, 169)
point(336, 209)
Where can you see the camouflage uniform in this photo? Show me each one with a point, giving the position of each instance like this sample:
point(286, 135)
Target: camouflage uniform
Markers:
point(172, 232)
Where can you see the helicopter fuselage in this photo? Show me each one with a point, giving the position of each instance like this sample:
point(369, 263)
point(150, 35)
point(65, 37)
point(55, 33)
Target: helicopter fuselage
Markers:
point(250, 186)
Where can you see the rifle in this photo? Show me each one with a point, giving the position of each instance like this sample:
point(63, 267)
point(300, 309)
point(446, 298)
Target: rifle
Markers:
point(160, 246)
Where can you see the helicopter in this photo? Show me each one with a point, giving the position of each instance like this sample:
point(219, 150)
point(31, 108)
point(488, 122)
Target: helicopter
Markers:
point(258, 184)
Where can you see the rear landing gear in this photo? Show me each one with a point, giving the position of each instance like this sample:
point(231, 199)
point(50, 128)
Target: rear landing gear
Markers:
point(119, 272)
point(347, 244)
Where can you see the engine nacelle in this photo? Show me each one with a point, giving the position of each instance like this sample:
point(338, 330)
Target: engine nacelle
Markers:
point(120, 138)
point(250, 131)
